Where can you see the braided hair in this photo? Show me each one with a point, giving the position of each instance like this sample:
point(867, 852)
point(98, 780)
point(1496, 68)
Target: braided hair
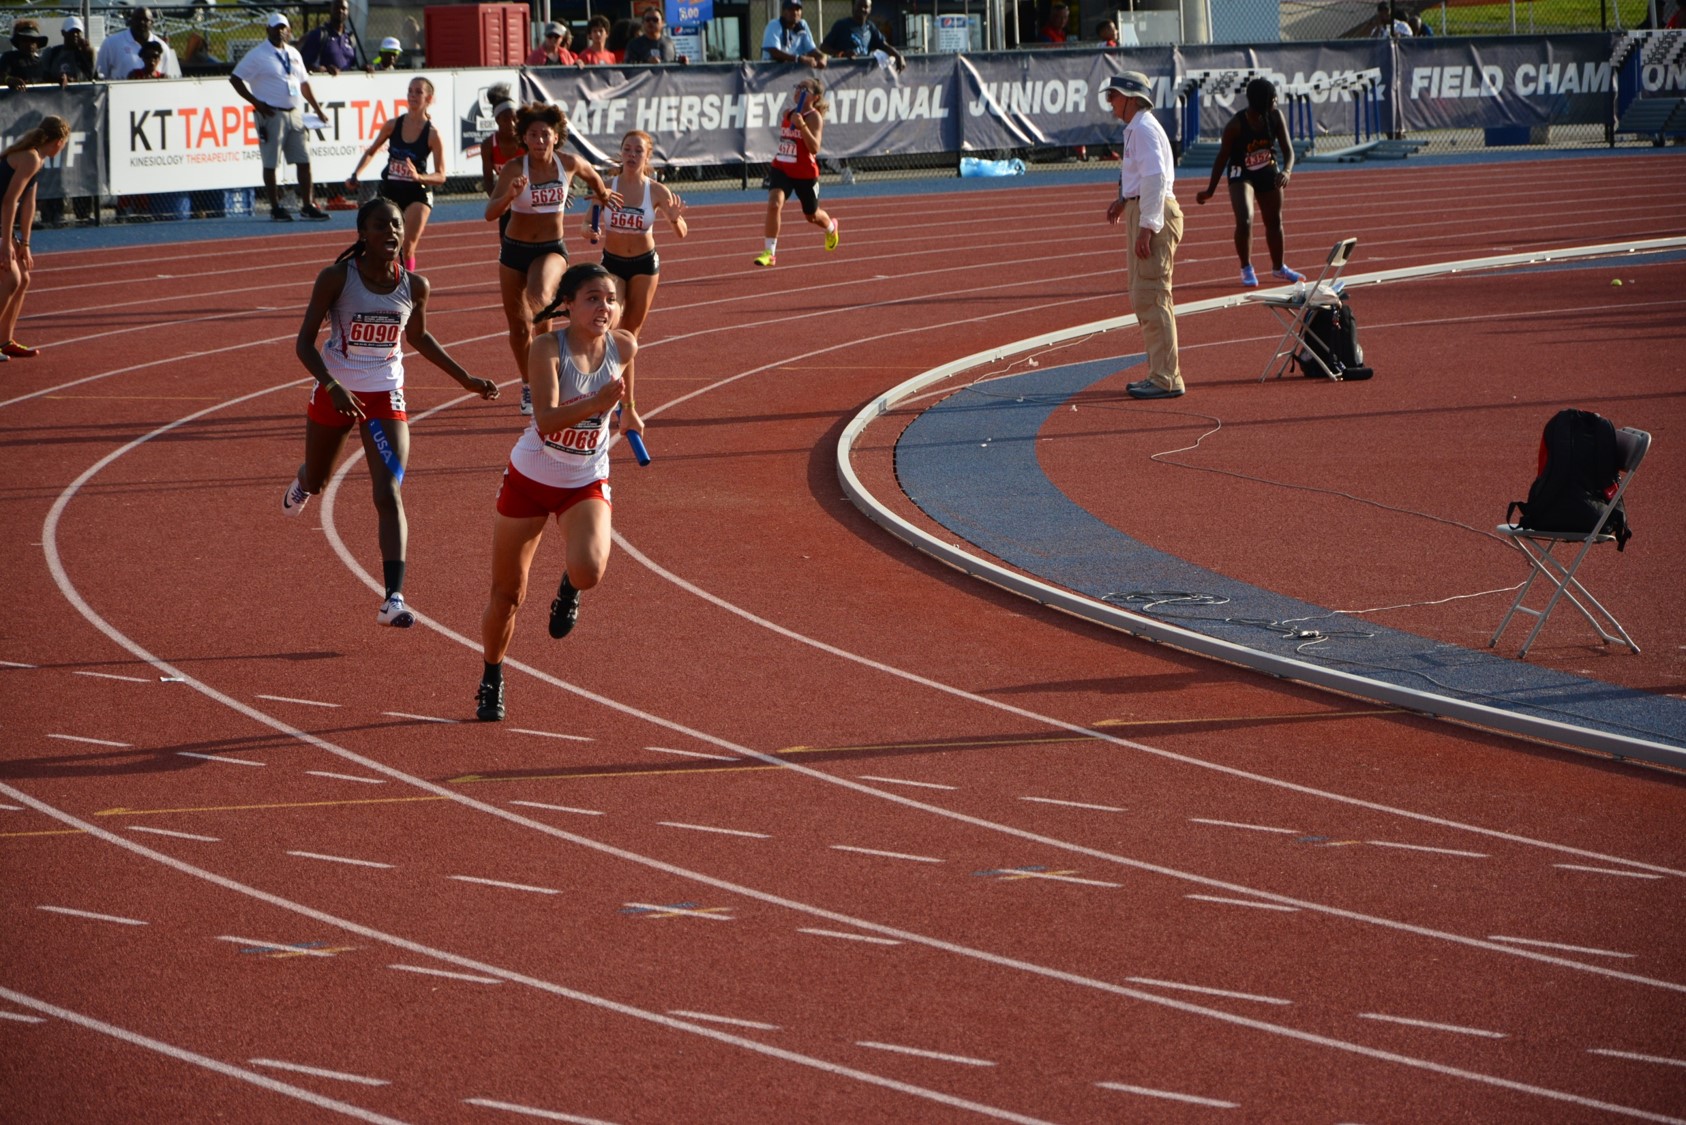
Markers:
point(356, 249)
point(572, 278)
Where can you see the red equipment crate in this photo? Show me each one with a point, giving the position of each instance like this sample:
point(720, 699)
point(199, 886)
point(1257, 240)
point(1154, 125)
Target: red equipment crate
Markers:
point(477, 35)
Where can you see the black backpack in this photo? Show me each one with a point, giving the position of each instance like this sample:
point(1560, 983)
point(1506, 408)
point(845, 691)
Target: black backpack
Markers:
point(1332, 335)
point(1579, 467)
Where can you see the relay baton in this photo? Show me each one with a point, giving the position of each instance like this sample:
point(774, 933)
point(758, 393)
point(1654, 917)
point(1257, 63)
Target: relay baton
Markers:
point(389, 455)
point(636, 441)
point(596, 226)
point(801, 98)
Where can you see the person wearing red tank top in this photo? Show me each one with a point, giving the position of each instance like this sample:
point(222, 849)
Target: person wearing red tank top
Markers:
point(796, 169)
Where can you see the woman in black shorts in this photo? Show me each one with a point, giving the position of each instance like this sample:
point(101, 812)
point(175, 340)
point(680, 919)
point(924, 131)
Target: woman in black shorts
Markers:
point(1248, 151)
point(628, 232)
point(410, 140)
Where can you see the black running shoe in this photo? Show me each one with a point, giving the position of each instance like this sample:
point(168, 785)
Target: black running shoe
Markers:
point(314, 213)
point(565, 610)
point(489, 700)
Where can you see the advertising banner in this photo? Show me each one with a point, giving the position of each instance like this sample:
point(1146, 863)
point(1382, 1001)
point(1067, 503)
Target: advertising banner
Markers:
point(1489, 82)
point(77, 171)
point(1329, 75)
point(1032, 99)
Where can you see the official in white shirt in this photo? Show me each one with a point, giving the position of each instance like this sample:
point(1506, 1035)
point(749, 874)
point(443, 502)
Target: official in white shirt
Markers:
point(1154, 224)
point(119, 54)
point(273, 78)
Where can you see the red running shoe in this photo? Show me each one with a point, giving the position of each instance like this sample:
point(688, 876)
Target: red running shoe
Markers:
point(15, 350)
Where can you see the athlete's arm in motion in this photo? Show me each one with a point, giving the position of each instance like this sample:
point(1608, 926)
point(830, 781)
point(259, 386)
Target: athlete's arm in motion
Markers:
point(544, 364)
point(511, 183)
point(435, 178)
point(811, 125)
point(631, 420)
point(594, 182)
point(671, 208)
point(1232, 134)
point(330, 283)
point(429, 348)
point(381, 138)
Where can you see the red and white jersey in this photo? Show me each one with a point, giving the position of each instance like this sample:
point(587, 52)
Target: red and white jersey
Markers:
point(547, 198)
point(365, 348)
point(578, 455)
point(793, 157)
point(630, 218)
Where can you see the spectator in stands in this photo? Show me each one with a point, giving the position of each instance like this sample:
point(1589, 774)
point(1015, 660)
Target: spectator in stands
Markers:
point(331, 47)
point(388, 55)
point(1389, 23)
point(73, 59)
point(120, 53)
point(1107, 33)
point(1418, 27)
point(788, 39)
point(554, 50)
point(1054, 30)
point(856, 37)
point(24, 63)
point(196, 48)
point(273, 79)
point(152, 58)
point(597, 51)
point(410, 36)
point(652, 44)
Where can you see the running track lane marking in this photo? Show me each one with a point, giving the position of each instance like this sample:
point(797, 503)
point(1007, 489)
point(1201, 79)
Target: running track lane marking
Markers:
point(1146, 1092)
point(274, 946)
point(470, 977)
point(848, 937)
point(1072, 804)
point(90, 914)
point(418, 718)
point(62, 580)
point(1244, 902)
point(529, 1111)
point(318, 1072)
point(347, 777)
point(89, 741)
point(260, 1080)
point(1432, 1026)
point(904, 781)
point(551, 734)
point(506, 886)
point(112, 676)
point(557, 808)
point(1558, 945)
point(1425, 848)
point(920, 1053)
point(341, 859)
point(1249, 827)
point(985, 956)
point(600, 1002)
point(300, 702)
point(1635, 1057)
point(887, 855)
point(19, 1017)
point(1206, 991)
point(707, 1017)
point(177, 835)
point(218, 758)
point(1607, 871)
point(707, 828)
point(689, 754)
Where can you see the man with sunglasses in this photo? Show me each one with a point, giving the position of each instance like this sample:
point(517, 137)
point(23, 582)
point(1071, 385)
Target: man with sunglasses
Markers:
point(652, 44)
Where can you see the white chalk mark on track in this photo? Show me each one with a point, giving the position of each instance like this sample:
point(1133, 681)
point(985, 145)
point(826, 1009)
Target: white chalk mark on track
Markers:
point(920, 1052)
point(319, 1072)
point(1249, 827)
point(710, 828)
point(1635, 1057)
point(1607, 871)
point(886, 855)
point(347, 777)
point(1430, 1025)
point(689, 753)
point(418, 718)
point(112, 676)
point(1244, 902)
point(504, 885)
point(225, 759)
point(1149, 1092)
point(1559, 945)
point(89, 741)
point(868, 938)
point(469, 977)
point(1425, 848)
point(1072, 804)
point(531, 1111)
point(905, 781)
point(1202, 989)
point(300, 702)
point(557, 808)
point(708, 1017)
point(173, 833)
point(551, 734)
point(118, 919)
point(342, 859)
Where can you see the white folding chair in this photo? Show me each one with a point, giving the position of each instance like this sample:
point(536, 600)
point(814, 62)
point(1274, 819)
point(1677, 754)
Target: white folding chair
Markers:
point(1537, 546)
point(1295, 307)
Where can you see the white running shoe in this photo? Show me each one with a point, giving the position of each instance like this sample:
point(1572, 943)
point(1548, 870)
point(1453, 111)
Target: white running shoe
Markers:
point(294, 499)
point(395, 613)
point(526, 400)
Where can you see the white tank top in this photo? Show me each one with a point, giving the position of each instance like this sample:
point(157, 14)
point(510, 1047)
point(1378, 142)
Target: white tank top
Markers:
point(548, 198)
point(365, 348)
point(578, 455)
point(629, 219)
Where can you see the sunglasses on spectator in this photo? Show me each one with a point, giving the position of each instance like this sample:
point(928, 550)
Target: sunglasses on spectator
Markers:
point(652, 19)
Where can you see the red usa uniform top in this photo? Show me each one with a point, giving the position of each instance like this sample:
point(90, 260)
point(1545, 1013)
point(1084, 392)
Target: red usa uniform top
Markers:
point(578, 455)
point(628, 219)
point(548, 198)
point(365, 348)
point(793, 157)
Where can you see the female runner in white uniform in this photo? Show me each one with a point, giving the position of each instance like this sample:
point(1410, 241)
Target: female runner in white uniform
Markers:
point(559, 467)
point(375, 306)
point(534, 191)
point(628, 232)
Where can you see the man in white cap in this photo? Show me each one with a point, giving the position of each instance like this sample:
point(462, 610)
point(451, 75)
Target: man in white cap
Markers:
point(1154, 225)
point(73, 59)
point(273, 78)
point(119, 55)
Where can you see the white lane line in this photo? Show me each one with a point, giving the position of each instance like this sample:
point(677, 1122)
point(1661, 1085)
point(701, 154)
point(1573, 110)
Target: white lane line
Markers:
point(1147, 1092)
point(177, 835)
point(1606, 871)
point(708, 1017)
point(1179, 986)
point(886, 855)
point(904, 781)
point(506, 886)
point(938, 1055)
point(708, 828)
point(11, 808)
point(1432, 1026)
point(551, 734)
point(90, 914)
point(347, 777)
point(1072, 804)
point(277, 946)
point(1250, 827)
point(1560, 945)
point(263, 1081)
point(530, 1111)
point(112, 676)
point(19, 1017)
point(319, 1072)
point(300, 702)
point(556, 808)
point(15, 664)
point(1245, 902)
point(419, 718)
point(868, 938)
point(1635, 1057)
point(341, 859)
point(470, 977)
point(1425, 848)
point(219, 758)
point(89, 741)
point(690, 753)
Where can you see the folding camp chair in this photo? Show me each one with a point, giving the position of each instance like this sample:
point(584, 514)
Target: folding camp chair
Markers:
point(1295, 308)
point(1537, 546)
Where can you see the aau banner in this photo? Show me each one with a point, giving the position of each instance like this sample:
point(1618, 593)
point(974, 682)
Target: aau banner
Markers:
point(80, 169)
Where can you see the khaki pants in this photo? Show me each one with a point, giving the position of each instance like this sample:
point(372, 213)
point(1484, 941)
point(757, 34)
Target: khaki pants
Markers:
point(1150, 291)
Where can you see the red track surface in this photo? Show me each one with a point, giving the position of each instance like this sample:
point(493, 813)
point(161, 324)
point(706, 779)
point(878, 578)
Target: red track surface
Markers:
point(1092, 880)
